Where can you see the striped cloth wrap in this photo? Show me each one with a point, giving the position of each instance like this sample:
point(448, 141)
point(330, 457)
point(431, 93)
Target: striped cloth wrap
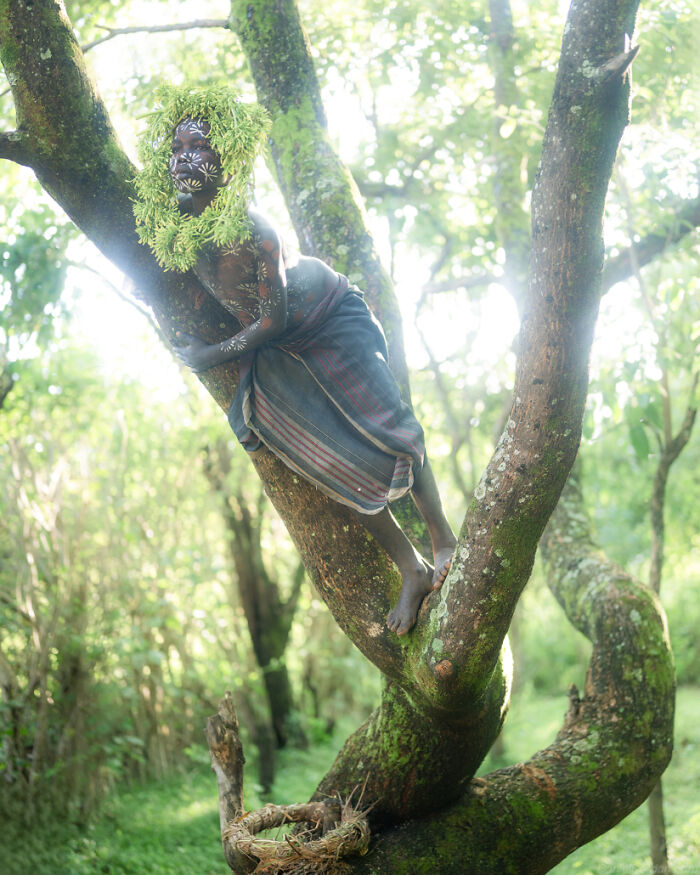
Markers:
point(322, 398)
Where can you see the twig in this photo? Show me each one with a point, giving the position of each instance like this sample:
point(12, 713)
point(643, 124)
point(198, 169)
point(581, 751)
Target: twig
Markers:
point(113, 32)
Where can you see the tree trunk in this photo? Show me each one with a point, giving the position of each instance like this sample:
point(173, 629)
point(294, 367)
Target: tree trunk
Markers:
point(268, 616)
point(616, 738)
point(671, 449)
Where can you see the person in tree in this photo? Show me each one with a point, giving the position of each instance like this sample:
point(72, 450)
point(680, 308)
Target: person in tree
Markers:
point(314, 384)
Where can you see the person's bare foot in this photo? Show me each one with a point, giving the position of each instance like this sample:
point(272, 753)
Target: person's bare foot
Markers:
point(443, 562)
point(415, 587)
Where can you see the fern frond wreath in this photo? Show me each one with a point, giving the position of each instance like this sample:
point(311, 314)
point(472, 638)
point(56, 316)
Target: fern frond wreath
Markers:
point(237, 133)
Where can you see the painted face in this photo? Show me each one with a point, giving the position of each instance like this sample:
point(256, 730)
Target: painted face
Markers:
point(194, 165)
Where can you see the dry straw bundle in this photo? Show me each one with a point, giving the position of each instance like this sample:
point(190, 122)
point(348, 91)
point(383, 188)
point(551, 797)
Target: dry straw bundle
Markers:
point(299, 853)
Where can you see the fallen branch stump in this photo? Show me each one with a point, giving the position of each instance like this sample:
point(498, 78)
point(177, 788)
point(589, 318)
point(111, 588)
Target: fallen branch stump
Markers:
point(345, 829)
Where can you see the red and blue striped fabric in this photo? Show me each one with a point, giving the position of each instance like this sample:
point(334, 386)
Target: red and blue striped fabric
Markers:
point(323, 399)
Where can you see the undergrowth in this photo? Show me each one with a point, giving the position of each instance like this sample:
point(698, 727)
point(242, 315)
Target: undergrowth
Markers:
point(172, 827)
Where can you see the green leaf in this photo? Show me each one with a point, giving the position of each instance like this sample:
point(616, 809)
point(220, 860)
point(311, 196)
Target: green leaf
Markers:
point(653, 415)
point(639, 440)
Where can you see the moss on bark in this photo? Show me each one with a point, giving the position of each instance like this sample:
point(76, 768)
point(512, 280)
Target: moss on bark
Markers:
point(320, 193)
point(615, 741)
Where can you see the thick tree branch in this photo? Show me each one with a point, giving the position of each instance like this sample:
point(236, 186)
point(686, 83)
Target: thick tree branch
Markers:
point(521, 485)
point(309, 172)
point(615, 741)
point(15, 146)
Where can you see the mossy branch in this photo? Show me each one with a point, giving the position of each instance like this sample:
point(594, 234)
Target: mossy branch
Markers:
point(469, 617)
point(615, 741)
point(320, 193)
point(15, 147)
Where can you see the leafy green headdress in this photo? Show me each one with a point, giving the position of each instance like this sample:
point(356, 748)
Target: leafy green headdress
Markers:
point(237, 132)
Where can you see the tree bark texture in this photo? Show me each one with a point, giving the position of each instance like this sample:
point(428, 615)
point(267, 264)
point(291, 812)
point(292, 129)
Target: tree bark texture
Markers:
point(227, 763)
point(447, 682)
point(615, 740)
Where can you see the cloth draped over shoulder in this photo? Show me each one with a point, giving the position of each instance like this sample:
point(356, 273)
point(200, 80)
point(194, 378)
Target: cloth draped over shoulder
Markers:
point(322, 398)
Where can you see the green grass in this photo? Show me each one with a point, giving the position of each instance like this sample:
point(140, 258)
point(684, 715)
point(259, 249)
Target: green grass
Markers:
point(162, 828)
point(172, 827)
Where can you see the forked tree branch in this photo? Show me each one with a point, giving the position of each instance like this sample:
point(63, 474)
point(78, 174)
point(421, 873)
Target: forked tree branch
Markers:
point(615, 741)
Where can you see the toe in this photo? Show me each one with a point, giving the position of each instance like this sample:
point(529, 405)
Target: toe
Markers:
point(441, 573)
point(405, 626)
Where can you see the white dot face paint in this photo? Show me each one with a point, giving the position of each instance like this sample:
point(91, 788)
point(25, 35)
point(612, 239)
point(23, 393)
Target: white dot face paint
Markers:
point(193, 126)
point(194, 166)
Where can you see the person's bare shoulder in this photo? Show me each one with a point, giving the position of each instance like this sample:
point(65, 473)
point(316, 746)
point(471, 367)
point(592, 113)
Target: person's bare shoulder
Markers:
point(265, 229)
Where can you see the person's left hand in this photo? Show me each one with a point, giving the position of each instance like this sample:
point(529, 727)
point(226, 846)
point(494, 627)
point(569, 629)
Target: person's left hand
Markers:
point(193, 352)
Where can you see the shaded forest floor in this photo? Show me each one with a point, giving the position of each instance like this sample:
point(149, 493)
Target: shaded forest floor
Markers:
point(171, 827)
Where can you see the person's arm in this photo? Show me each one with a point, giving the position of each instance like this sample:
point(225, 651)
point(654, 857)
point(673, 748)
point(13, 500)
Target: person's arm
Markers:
point(272, 292)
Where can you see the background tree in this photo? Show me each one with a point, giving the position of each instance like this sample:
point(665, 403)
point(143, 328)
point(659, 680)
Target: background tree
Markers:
point(268, 614)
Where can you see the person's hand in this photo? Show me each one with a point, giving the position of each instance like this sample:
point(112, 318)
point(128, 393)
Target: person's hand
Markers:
point(193, 352)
